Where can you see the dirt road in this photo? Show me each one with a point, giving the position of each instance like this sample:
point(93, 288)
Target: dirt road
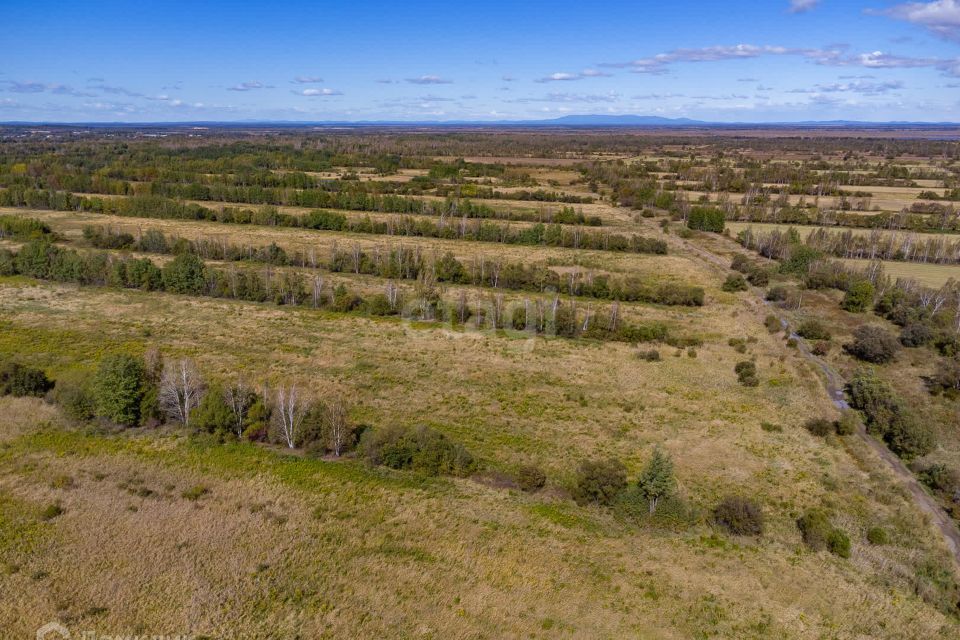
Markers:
point(834, 385)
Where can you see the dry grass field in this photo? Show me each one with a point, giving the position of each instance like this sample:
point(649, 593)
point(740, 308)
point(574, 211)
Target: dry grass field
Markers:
point(302, 545)
point(166, 529)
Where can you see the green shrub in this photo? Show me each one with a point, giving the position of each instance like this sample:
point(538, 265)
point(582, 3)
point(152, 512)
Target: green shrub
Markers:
point(734, 282)
point(815, 528)
point(873, 344)
point(599, 481)
point(531, 478)
point(940, 477)
point(747, 373)
point(74, 396)
point(739, 516)
point(859, 297)
point(946, 378)
point(118, 389)
point(838, 543)
point(813, 330)
point(20, 380)
point(195, 493)
point(778, 293)
point(916, 334)
point(213, 414)
point(185, 274)
point(819, 534)
point(772, 323)
point(819, 427)
point(877, 536)
point(706, 219)
point(651, 355)
point(770, 427)
point(848, 423)
point(51, 511)
point(420, 449)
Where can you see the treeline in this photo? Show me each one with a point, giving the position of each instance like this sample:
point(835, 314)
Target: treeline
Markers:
point(877, 245)
point(942, 220)
point(20, 228)
point(552, 235)
point(130, 391)
point(187, 274)
point(409, 264)
point(335, 198)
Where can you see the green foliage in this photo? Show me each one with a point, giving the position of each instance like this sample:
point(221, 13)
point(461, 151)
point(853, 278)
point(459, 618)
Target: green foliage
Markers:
point(650, 355)
point(813, 330)
point(887, 416)
point(531, 478)
point(185, 274)
point(51, 511)
point(942, 478)
point(819, 533)
point(599, 481)
point(20, 380)
point(848, 423)
point(819, 427)
point(706, 219)
point(878, 536)
point(799, 260)
point(778, 293)
point(873, 344)
point(838, 543)
point(746, 371)
point(656, 480)
point(917, 334)
point(420, 449)
point(118, 389)
point(213, 414)
point(946, 378)
point(20, 228)
point(772, 323)
point(739, 516)
point(734, 282)
point(74, 395)
point(195, 492)
point(859, 297)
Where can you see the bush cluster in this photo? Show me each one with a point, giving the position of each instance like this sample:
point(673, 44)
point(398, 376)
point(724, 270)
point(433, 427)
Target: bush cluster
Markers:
point(419, 449)
point(739, 516)
point(819, 533)
point(746, 371)
point(873, 343)
point(20, 380)
point(888, 418)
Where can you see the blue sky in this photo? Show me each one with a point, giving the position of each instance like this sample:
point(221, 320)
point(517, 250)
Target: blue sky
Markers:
point(757, 61)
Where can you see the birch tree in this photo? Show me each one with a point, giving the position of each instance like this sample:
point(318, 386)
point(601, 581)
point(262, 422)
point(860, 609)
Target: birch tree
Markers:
point(290, 411)
point(181, 388)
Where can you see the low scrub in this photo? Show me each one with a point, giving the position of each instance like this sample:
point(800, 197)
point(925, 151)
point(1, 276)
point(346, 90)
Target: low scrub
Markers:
point(420, 449)
point(739, 516)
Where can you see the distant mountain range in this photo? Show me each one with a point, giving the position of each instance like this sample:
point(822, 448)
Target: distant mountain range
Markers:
point(585, 120)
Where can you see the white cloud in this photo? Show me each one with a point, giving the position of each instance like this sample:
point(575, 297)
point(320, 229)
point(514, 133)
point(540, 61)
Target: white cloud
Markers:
point(942, 17)
point(40, 87)
point(429, 79)
point(311, 93)
point(307, 80)
point(567, 77)
point(835, 56)
point(249, 86)
point(857, 86)
point(802, 6)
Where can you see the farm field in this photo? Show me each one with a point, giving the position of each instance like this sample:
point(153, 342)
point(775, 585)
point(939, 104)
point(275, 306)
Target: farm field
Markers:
point(459, 426)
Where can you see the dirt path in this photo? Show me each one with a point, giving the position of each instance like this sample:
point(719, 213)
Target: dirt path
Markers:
point(834, 384)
